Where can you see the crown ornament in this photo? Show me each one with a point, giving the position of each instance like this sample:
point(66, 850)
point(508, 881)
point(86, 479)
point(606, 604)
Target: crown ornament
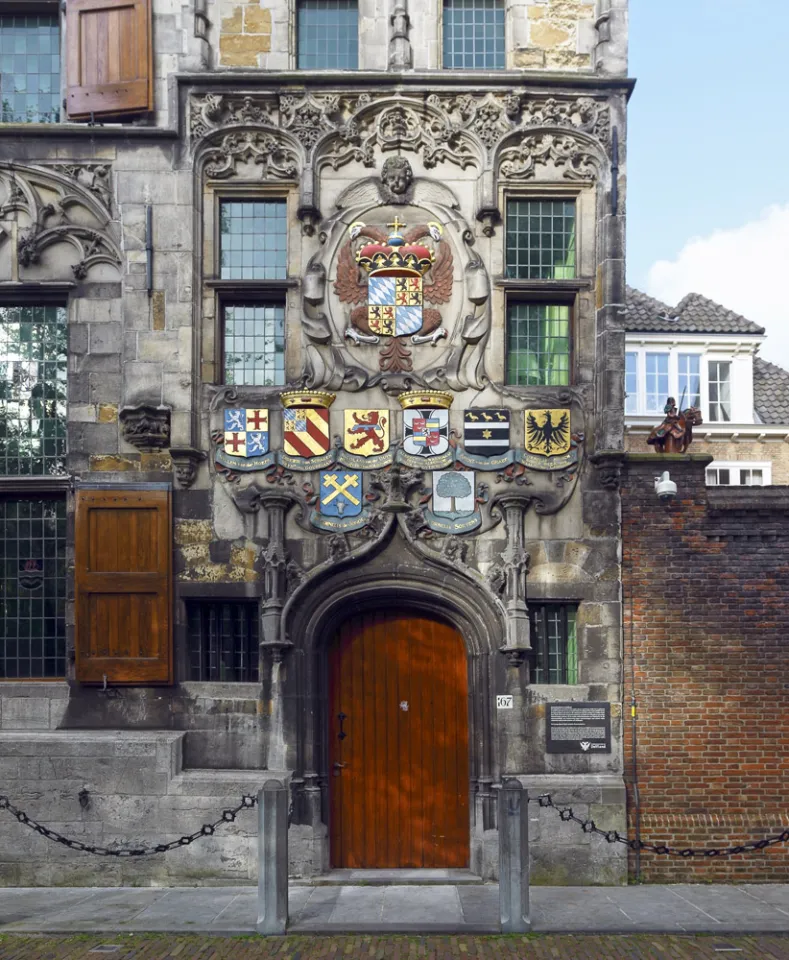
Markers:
point(307, 398)
point(432, 399)
point(396, 257)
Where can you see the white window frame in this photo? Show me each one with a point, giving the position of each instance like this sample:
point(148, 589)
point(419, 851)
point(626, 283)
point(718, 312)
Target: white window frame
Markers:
point(673, 351)
point(764, 465)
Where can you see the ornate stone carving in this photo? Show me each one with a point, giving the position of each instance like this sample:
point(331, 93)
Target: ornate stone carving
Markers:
point(490, 117)
point(308, 117)
point(508, 575)
point(584, 114)
point(185, 463)
point(63, 204)
point(576, 160)
point(214, 110)
point(95, 177)
point(400, 127)
point(608, 465)
point(145, 427)
point(269, 151)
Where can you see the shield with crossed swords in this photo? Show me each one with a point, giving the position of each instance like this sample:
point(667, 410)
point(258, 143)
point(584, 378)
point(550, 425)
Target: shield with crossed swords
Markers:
point(341, 493)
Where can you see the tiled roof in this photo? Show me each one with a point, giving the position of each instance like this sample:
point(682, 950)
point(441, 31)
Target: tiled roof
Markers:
point(693, 314)
point(770, 391)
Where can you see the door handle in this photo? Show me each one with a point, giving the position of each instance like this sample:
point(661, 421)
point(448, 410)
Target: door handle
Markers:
point(338, 766)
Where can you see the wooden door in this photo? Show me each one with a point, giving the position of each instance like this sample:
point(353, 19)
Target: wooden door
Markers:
point(123, 554)
point(398, 695)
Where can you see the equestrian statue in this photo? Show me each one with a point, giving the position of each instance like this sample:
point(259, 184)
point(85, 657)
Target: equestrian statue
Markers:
point(675, 433)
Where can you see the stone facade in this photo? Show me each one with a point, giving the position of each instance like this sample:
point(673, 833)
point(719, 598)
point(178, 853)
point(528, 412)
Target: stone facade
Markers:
point(774, 452)
point(146, 402)
point(705, 599)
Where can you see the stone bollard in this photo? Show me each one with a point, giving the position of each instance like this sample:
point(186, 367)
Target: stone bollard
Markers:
point(514, 858)
point(273, 858)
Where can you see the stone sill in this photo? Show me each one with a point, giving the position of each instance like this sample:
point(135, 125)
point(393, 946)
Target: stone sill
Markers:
point(49, 131)
point(473, 79)
point(210, 690)
point(658, 458)
point(57, 689)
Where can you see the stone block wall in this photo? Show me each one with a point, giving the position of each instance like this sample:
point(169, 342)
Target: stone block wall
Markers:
point(137, 793)
point(566, 35)
point(706, 607)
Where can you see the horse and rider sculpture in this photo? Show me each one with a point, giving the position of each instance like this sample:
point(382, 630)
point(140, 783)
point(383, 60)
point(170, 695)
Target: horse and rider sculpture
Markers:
point(675, 433)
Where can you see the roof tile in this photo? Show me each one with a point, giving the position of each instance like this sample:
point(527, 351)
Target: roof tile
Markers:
point(770, 392)
point(693, 314)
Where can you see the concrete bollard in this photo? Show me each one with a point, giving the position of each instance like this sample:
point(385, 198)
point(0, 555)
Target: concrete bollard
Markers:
point(514, 858)
point(273, 858)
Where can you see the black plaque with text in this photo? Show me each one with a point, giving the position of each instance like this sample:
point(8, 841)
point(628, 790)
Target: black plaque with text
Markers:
point(578, 727)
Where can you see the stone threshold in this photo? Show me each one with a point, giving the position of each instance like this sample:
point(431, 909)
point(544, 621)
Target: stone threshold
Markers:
point(391, 877)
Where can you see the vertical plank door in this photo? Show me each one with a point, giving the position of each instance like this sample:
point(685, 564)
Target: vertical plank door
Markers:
point(400, 798)
point(122, 584)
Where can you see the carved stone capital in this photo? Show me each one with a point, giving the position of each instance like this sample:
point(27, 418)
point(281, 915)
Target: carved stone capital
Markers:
point(145, 427)
point(515, 655)
point(608, 465)
point(185, 463)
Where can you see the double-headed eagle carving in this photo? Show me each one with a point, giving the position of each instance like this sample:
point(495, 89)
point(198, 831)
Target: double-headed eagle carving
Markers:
point(356, 279)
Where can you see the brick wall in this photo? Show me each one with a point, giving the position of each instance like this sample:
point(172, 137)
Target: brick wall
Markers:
point(706, 603)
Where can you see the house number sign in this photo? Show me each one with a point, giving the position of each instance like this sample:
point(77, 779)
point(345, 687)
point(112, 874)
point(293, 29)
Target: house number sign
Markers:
point(504, 702)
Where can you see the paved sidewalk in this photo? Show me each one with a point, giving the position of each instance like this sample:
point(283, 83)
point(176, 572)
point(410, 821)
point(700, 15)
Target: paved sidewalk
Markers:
point(680, 908)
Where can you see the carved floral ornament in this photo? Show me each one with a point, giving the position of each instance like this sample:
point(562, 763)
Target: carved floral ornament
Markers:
point(340, 128)
point(61, 203)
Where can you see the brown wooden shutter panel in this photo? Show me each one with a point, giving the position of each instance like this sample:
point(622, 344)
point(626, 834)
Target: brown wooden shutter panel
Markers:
point(123, 590)
point(109, 59)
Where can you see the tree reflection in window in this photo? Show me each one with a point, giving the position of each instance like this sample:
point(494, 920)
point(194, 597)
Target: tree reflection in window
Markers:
point(33, 370)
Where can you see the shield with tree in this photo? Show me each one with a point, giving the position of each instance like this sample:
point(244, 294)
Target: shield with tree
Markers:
point(457, 486)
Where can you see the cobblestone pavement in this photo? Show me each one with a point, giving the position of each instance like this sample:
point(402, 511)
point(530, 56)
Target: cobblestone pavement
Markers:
point(537, 946)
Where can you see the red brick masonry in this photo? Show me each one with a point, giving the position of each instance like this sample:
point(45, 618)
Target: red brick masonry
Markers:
point(706, 614)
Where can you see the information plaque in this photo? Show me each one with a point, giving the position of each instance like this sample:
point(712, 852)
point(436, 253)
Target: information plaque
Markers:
point(578, 727)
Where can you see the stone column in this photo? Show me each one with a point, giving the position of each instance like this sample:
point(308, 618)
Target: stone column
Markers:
point(399, 44)
point(514, 858)
point(273, 858)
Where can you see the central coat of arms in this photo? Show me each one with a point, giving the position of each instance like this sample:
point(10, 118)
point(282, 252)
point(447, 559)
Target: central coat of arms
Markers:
point(397, 274)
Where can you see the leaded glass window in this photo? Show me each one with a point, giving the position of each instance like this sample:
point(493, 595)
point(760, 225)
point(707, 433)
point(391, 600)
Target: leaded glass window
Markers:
point(33, 588)
point(540, 239)
point(33, 369)
point(554, 642)
point(253, 240)
point(657, 381)
point(720, 391)
point(223, 640)
point(29, 68)
point(328, 34)
point(538, 344)
point(474, 35)
point(254, 343)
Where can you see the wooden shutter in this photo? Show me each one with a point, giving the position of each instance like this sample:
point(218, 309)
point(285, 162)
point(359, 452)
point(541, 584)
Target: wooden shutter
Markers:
point(123, 592)
point(109, 58)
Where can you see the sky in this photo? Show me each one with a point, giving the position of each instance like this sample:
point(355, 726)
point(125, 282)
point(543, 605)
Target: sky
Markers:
point(708, 157)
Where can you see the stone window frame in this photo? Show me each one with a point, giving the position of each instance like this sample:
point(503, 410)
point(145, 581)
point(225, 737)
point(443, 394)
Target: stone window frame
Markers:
point(507, 40)
point(34, 487)
point(540, 642)
point(218, 293)
point(548, 292)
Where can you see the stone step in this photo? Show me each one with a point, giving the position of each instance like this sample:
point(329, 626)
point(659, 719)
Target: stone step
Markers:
point(392, 877)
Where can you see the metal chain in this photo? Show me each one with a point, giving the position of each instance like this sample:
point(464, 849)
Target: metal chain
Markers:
point(613, 836)
point(207, 830)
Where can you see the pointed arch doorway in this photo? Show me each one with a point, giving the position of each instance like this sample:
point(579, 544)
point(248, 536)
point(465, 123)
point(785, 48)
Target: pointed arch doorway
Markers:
point(398, 743)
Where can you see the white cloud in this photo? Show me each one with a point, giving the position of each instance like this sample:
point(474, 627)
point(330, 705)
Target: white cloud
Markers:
point(745, 269)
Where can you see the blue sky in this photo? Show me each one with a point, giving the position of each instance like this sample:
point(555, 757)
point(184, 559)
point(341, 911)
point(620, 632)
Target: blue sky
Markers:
point(708, 155)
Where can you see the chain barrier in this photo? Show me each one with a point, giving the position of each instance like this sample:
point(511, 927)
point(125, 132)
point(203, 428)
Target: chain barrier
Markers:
point(613, 836)
point(248, 801)
point(207, 830)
